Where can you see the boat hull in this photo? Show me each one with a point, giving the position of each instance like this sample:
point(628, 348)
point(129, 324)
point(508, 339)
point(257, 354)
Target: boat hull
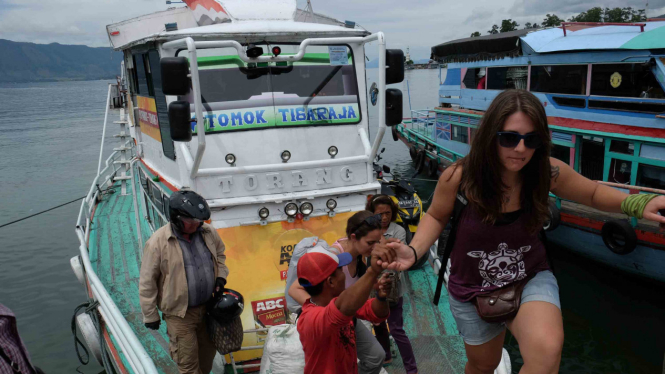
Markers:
point(644, 261)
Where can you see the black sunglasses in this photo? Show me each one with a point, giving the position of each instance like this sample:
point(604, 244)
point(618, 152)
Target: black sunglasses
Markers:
point(509, 139)
point(371, 221)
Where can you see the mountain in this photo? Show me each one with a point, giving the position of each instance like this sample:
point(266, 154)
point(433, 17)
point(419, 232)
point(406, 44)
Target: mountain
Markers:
point(375, 63)
point(30, 62)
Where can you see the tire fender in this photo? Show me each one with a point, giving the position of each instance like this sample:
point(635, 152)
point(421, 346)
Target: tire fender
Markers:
point(395, 133)
point(420, 161)
point(413, 152)
point(619, 236)
point(433, 168)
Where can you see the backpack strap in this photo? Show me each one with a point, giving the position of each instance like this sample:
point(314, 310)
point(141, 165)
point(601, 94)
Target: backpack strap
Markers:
point(446, 247)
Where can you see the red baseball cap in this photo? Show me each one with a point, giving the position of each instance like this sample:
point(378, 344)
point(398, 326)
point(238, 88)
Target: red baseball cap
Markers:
point(318, 264)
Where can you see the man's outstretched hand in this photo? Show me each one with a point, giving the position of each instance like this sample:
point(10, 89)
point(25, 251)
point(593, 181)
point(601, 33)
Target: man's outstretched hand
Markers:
point(403, 260)
point(381, 253)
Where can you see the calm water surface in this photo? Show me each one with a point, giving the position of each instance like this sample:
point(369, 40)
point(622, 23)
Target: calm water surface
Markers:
point(49, 144)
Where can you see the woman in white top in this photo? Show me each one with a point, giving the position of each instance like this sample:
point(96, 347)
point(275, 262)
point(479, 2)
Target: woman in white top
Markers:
point(363, 232)
point(385, 206)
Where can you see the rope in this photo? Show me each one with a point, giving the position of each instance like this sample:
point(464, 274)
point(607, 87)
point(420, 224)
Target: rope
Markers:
point(42, 212)
point(108, 190)
point(90, 308)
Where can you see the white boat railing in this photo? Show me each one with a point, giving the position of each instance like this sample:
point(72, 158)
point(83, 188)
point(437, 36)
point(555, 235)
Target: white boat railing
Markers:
point(136, 355)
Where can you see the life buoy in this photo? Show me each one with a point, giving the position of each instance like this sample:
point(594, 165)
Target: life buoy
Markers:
point(420, 162)
point(554, 219)
point(619, 236)
point(413, 152)
point(433, 168)
point(395, 133)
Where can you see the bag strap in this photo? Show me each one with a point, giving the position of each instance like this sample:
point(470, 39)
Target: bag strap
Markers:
point(445, 249)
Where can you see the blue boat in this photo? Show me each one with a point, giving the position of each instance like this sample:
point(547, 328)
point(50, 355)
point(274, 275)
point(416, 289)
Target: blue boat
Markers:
point(603, 89)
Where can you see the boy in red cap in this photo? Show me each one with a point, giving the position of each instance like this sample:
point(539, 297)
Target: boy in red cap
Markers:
point(326, 324)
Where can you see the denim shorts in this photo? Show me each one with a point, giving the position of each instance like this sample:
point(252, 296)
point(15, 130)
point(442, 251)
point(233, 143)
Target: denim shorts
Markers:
point(475, 331)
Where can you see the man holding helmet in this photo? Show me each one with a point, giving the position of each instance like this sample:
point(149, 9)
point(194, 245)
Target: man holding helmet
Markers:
point(182, 265)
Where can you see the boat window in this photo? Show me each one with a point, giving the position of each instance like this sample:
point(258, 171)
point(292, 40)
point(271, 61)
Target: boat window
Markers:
point(653, 152)
point(503, 78)
point(592, 157)
point(651, 176)
point(473, 77)
point(625, 80)
point(561, 79)
point(320, 89)
point(619, 171)
point(460, 134)
point(141, 76)
point(560, 153)
point(620, 146)
point(628, 106)
point(576, 102)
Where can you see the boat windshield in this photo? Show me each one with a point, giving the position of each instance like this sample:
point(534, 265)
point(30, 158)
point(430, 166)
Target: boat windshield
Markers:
point(320, 89)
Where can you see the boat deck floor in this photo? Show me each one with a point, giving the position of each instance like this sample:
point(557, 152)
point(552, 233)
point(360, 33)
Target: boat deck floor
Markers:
point(116, 258)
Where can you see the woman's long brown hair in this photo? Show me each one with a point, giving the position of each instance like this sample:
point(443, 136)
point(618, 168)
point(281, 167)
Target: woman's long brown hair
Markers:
point(481, 177)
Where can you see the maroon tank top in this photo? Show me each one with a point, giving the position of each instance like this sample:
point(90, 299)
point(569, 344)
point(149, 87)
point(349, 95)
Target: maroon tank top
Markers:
point(486, 257)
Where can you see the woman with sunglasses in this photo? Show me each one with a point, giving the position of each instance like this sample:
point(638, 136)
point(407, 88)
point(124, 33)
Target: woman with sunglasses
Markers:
point(384, 206)
point(506, 178)
point(363, 232)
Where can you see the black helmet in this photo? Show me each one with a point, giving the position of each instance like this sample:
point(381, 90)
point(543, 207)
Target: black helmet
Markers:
point(187, 204)
point(226, 306)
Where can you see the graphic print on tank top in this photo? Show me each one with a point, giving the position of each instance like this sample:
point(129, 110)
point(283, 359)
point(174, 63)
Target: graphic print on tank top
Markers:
point(501, 267)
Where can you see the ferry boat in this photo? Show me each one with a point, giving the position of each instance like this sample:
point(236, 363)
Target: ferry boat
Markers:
point(602, 86)
point(262, 109)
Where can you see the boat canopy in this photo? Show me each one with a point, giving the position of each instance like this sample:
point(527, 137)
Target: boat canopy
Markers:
point(480, 48)
point(575, 37)
point(275, 21)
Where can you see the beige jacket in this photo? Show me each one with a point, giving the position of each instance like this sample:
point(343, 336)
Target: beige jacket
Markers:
point(163, 282)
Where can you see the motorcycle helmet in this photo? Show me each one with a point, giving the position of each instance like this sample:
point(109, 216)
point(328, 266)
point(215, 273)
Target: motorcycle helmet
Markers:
point(226, 306)
point(188, 204)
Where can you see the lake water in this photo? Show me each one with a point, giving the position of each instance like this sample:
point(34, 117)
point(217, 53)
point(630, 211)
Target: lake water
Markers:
point(49, 146)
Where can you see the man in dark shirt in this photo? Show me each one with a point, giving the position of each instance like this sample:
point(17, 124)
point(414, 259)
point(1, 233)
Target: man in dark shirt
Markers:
point(182, 264)
point(326, 324)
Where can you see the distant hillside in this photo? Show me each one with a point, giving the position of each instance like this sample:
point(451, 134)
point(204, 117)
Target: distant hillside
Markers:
point(375, 63)
point(29, 62)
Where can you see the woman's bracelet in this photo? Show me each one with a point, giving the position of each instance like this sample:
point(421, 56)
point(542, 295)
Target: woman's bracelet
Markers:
point(633, 205)
point(415, 254)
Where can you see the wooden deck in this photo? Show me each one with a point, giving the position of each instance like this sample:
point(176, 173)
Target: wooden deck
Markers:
point(116, 257)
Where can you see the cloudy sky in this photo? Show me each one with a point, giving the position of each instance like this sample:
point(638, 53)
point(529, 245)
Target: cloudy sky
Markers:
point(418, 24)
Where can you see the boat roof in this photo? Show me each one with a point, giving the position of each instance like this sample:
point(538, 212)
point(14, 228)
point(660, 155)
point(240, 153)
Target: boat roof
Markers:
point(577, 37)
point(264, 20)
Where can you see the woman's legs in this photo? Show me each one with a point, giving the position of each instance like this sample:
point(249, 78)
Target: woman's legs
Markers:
point(484, 358)
point(538, 328)
point(396, 324)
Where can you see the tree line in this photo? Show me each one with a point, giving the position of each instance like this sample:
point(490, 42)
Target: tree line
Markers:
point(596, 14)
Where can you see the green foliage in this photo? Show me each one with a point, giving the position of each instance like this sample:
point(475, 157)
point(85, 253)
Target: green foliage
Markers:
point(551, 20)
point(508, 25)
point(475, 34)
point(494, 30)
point(614, 15)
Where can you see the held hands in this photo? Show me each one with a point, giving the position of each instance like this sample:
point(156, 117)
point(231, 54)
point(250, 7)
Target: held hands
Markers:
point(403, 257)
point(381, 253)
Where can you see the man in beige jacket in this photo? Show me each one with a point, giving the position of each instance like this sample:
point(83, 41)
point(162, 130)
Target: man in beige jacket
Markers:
point(182, 265)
